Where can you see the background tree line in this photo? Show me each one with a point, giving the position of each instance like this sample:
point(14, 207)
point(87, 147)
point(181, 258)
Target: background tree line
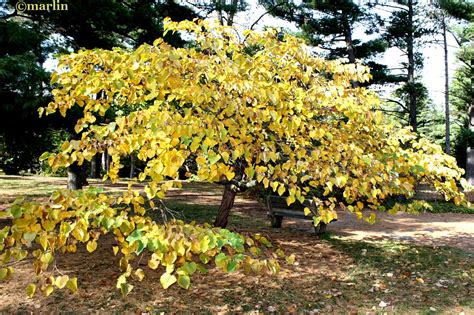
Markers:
point(354, 30)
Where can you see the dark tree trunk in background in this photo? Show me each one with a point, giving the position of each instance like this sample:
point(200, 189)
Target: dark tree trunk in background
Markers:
point(75, 177)
point(106, 161)
point(470, 151)
point(132, 166)
point(76, 174)
point(348, 40)
point(446, 88)
point(349, 44)
point(226, 205)
point(95, 166)
point(411, 71)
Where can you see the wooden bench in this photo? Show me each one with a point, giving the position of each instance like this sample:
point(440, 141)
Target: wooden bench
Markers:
point(278, 209)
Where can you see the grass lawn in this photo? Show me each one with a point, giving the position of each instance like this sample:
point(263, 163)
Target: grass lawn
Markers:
point(332, 275)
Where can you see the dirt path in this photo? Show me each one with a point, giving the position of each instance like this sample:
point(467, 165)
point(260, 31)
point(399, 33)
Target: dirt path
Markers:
point(453, 229)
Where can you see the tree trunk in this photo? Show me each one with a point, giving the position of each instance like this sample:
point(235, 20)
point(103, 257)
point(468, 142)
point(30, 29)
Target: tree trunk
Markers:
point(348, 40)
point(75, 178)
point(470, 151)
point(411, 70)
point(106, 161)
point(132, 166)
point(226, 205)
point(349, 44)
point(95, 166)
point(231, 13)
point(447, 148)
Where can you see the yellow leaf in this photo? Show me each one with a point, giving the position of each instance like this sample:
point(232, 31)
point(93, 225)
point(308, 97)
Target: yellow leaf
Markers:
point(200, 160)
point(43, 240)
point(72, 284)
point(307, 211)
point(153, 264)
point(167, 280)
point(290, 259)
point(290, 199)
point(91, 246)
point(48, 290)
point(61, 281)
point(281, 189)
point(139, 274)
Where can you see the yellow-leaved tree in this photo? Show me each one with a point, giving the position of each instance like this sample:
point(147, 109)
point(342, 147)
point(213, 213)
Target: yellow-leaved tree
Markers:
point(254, 110)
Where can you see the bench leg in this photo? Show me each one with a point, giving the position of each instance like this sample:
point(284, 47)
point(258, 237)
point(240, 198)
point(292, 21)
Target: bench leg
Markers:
point(320, 228)
point(276, 221)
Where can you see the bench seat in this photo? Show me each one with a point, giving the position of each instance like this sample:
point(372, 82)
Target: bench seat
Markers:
point(278, 209)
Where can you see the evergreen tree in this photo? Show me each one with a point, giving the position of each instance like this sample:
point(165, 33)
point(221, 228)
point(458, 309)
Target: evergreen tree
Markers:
point(85, 24)
point(226, 10)
point(331, 25)
point(23, 88)
point(461, 92)
point(407, 29)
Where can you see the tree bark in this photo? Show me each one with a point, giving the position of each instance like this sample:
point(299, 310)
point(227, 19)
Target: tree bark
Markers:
point(226, 205)
point(348, 40)
point(470, 151)
point(446, 88)
point(132, 166)
point(411, 70)
point(231, 13)
point(106, 161)
point(349, 44)
point(95, 166)
point(75, 178)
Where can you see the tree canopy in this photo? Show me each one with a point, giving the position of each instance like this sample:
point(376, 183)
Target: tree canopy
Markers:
point(260, 108)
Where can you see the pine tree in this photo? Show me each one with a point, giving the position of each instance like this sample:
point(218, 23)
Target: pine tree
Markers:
point(407, 30)
point(331, 25)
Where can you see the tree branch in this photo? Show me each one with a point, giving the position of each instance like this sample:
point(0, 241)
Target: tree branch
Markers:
point(397, 102)
point(261, 16)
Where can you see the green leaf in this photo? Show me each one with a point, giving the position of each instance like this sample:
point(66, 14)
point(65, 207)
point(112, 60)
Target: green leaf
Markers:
point(213, 158)
point(202, 269)
point(184, 281)
point(16, 211)
point(31, 289)
point(112, 126)
point(3, 273)
point(189, 267)
point(232, 266)
point(133, 237)
point(126, 288)
point(141, 247)
point(44, 156)
point(72, 284)
point(204, 258)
